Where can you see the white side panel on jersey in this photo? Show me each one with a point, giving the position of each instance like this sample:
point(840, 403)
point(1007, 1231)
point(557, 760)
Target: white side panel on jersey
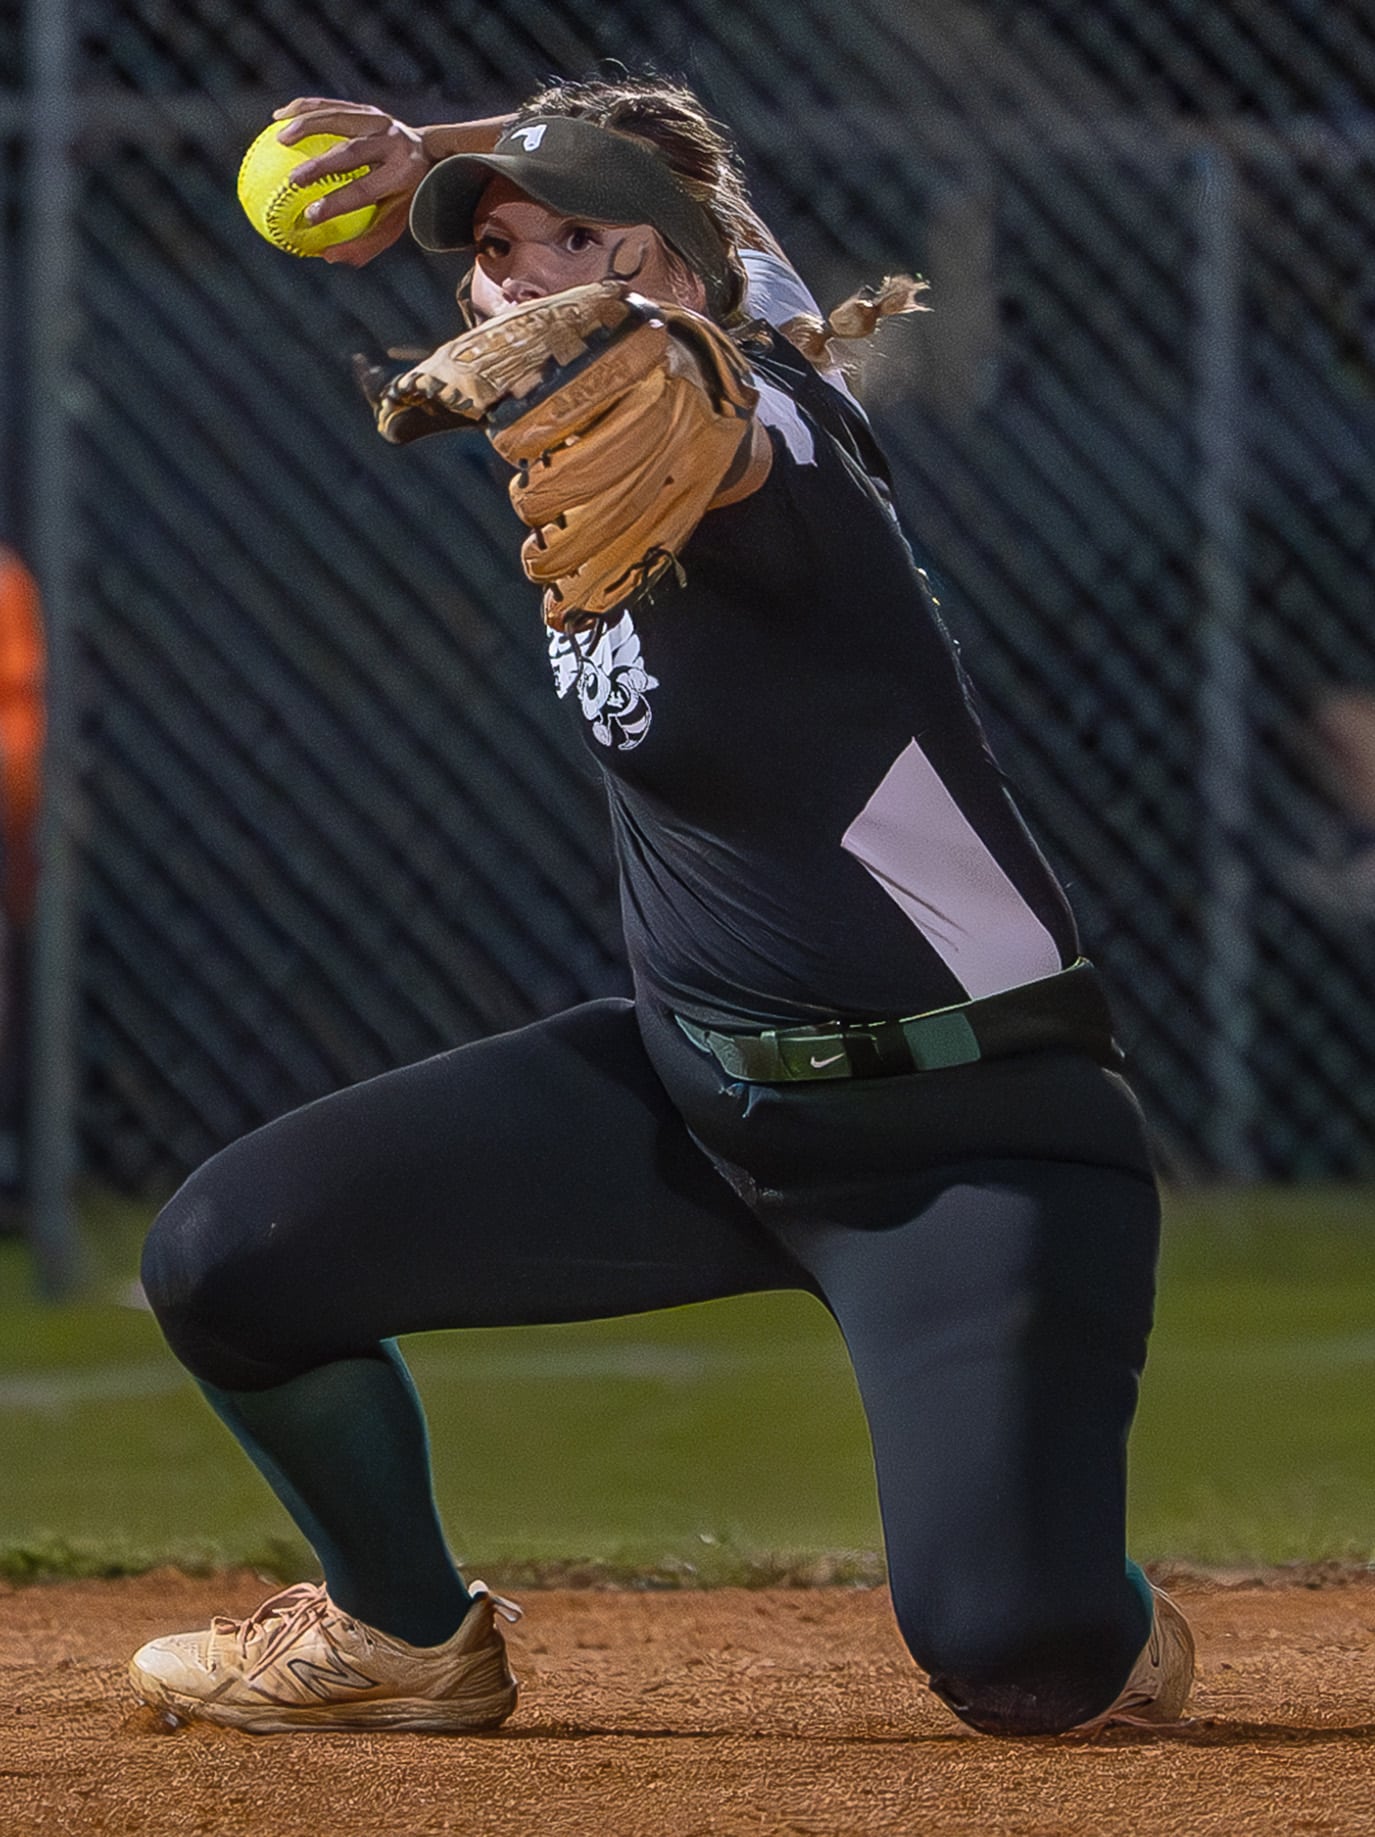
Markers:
point(917, 843)
point(779, 410)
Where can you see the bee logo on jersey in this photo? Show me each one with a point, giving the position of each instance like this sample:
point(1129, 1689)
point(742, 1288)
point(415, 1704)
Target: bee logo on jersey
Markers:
point(611, 682)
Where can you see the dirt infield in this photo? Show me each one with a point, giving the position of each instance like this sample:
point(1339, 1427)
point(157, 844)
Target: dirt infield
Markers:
point(678, 1715)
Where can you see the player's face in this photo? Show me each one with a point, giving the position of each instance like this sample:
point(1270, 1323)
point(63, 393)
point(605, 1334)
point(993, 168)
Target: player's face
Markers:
point(525, 250)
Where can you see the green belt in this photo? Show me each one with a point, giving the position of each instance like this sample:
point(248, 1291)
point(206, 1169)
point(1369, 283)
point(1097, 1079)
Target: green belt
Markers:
point(1068, 1011)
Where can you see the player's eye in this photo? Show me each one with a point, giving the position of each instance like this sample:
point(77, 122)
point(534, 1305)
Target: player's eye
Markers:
point(579, 238)
point(493, 246)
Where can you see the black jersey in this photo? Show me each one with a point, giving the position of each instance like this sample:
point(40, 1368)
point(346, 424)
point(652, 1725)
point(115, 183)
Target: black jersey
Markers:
point(808, 821)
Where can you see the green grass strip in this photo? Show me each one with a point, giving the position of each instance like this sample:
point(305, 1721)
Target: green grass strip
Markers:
point(667, 1451)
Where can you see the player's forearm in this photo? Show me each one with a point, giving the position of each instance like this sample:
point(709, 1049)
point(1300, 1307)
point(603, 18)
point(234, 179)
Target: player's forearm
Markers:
point(445, 138)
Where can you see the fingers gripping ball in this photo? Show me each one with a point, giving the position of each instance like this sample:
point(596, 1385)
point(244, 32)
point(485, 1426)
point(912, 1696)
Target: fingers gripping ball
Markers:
point(274, 206)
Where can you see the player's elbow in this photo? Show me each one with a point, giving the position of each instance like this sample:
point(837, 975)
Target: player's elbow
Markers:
point(749, 470)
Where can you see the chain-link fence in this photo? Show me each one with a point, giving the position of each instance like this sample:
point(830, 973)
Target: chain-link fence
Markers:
point(325, 815)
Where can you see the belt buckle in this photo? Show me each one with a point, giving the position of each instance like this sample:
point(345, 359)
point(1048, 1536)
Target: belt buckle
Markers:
point(819, 1052)
point(940, 1040)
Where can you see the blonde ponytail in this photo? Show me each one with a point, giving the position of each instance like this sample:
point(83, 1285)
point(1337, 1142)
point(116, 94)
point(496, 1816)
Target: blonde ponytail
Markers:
point(857, 317)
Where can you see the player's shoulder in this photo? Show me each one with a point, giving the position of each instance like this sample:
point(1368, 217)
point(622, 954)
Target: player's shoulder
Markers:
point(776, 291)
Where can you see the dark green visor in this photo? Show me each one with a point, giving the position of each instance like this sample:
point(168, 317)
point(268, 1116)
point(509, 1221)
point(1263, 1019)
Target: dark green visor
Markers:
point(581, 170)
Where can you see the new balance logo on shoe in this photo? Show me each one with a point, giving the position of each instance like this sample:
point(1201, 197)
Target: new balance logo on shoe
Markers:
point(327, 1678)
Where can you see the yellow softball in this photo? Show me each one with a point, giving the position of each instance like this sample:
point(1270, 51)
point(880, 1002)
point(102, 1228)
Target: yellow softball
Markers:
point(273, 205)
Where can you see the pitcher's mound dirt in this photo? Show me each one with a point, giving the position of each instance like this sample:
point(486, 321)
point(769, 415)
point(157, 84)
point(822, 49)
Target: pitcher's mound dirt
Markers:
point(678, 1715)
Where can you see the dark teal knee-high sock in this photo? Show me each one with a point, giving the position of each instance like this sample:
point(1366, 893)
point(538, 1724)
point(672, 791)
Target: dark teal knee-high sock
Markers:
point(1136, 1575)
point(346, 1450)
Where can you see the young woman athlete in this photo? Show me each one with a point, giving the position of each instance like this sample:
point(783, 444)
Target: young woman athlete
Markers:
point(864, 1057)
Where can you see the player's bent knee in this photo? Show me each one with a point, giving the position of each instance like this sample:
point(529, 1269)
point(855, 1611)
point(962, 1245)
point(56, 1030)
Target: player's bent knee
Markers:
point(202, 1266)
point(1047, 1702)
point(1019, 1681)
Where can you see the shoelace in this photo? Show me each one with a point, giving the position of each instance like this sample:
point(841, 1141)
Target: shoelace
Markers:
point(305, 1605)
point(295, 1610)
point(509, 1610)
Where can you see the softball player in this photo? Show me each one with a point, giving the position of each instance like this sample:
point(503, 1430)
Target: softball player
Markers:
point(864, 1058)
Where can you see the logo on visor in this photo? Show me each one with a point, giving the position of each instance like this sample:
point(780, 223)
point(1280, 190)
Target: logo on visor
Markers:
point(530, 137)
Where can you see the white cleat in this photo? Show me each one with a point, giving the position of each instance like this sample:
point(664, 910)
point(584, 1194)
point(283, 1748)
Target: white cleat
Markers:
point(300, 1663)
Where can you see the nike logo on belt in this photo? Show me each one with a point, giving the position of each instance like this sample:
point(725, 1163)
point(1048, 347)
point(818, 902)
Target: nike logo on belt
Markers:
point(818, 1064)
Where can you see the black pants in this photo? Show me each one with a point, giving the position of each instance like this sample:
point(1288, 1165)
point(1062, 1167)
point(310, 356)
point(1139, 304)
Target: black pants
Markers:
point(985, 1238)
